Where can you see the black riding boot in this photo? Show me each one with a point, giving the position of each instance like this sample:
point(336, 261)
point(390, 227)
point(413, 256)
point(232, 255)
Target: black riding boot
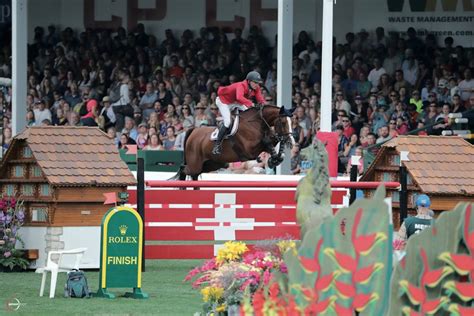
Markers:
point(218, 142)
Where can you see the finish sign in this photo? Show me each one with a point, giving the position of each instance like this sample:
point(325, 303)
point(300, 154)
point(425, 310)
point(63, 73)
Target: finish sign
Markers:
point(121, 252)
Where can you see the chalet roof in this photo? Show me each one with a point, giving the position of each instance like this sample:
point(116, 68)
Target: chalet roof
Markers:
point(438, 164)
point(76, 156)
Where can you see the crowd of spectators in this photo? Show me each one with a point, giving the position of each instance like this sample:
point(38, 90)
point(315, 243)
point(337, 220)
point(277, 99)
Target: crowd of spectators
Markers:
point(145, 91)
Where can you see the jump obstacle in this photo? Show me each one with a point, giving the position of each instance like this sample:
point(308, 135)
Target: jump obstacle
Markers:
point(181, 223)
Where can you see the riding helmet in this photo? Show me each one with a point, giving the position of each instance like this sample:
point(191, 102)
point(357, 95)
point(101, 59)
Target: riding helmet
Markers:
point(254, 76)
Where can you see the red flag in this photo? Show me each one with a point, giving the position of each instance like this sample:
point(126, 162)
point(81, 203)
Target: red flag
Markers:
point(330, 139)
point(132, 149)
point(110, 198)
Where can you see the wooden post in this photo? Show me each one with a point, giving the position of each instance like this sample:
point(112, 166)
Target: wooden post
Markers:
point(403, 193)
point(141, 199)
point(2, 111)
point(353, 177)
point(403, 186)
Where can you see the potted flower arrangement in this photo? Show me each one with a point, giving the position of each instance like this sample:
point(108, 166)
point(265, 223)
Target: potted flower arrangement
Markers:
point(12, 217)
point(236, 271)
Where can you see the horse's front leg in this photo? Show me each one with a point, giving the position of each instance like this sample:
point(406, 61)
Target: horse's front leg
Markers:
point(275, 160)
point(269, 148)
point(275, 157)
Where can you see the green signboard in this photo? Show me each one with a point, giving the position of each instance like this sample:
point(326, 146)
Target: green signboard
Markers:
point(121, 252)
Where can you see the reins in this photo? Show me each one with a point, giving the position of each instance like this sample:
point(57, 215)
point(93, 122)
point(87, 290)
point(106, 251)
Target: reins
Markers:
point(260, 111)
point(278, 136)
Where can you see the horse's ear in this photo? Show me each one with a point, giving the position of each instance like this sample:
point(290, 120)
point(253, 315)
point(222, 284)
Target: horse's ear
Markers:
point(292, 110)
point(285, 112)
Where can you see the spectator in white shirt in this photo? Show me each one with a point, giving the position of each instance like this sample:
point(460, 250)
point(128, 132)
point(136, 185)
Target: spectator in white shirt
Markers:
point(121, 106)
point(311, 51)
point(107, 113)
point(376, 73)
point(466, 87)
point(147, 100)
point(41, 112)
point(427, 89)
point(392, 62)
point(380, 38)
point(410, 67)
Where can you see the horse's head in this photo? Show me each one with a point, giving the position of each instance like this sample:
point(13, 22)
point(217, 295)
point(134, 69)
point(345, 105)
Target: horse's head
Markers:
point(279, 118)
point(283, 126)
point(276, 118)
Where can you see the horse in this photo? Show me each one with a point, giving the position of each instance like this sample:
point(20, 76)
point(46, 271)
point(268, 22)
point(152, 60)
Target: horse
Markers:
point(260, 129)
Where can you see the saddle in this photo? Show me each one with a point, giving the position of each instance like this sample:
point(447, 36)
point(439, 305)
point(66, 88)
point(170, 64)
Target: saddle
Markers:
point(234, 126)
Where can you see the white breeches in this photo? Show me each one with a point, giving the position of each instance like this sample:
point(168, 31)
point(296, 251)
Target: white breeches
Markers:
point(226, 109)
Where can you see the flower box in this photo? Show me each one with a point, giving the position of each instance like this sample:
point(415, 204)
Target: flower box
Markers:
point(31, 254)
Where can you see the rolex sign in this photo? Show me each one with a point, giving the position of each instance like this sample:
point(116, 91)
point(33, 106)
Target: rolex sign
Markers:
point(121, 250)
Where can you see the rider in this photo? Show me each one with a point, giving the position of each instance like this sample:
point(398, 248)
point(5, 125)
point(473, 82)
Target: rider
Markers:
point(415, 224)
point(236, 95)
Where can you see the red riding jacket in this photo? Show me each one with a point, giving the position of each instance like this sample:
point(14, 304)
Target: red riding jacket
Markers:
point(239, 92)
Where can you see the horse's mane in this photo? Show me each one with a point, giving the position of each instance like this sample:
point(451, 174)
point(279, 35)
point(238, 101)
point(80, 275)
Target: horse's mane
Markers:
point(252, 111)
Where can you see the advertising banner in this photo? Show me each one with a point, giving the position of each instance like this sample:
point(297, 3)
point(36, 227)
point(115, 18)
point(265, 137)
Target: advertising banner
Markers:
point(441, 18)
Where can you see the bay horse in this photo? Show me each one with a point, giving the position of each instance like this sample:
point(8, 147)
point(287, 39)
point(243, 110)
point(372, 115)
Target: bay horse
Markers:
point(260, 129)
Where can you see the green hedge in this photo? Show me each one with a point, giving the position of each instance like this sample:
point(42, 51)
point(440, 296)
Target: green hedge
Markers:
point(155, 160)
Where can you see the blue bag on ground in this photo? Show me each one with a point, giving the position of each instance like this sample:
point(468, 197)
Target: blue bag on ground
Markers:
point(76, 284)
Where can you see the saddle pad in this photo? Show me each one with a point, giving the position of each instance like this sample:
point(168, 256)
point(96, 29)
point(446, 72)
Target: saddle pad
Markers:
point(235, 127)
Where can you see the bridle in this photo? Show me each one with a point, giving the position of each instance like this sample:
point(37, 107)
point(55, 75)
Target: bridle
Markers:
point(280, 137)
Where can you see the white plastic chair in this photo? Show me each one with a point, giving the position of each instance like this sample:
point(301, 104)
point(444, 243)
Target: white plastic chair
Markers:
point(55, 268)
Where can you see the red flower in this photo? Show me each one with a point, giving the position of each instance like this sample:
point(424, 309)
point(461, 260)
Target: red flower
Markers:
point(363, 275)
point(464, 291)
point(365, 243)
point(310, 265)
point(457, 310)
point(324, 283)
point(463, 264)
point(343, 311)
point(345, 262)
point(274, 290)
point(258, 302)
point(267, 277)
point(345, 290)
point(431, 307)
point(410, 312)
point(433, 277)
point(316, 308)
point(361, 301)
point(415, 294)
point(292, 308)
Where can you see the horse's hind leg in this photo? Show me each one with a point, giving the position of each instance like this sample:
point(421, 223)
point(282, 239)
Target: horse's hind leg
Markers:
point(182, 174)
point(193, 168)
point(195, 178)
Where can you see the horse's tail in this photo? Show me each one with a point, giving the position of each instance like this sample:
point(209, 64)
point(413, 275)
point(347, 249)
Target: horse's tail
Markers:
point(188, 132)
point(180, 175)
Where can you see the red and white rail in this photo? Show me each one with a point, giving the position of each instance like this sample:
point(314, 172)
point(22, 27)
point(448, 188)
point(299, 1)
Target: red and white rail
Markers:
point(190, 224)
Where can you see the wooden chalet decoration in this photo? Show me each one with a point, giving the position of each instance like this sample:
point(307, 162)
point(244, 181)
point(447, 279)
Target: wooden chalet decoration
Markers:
point(440, 166)
point(61, 174)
